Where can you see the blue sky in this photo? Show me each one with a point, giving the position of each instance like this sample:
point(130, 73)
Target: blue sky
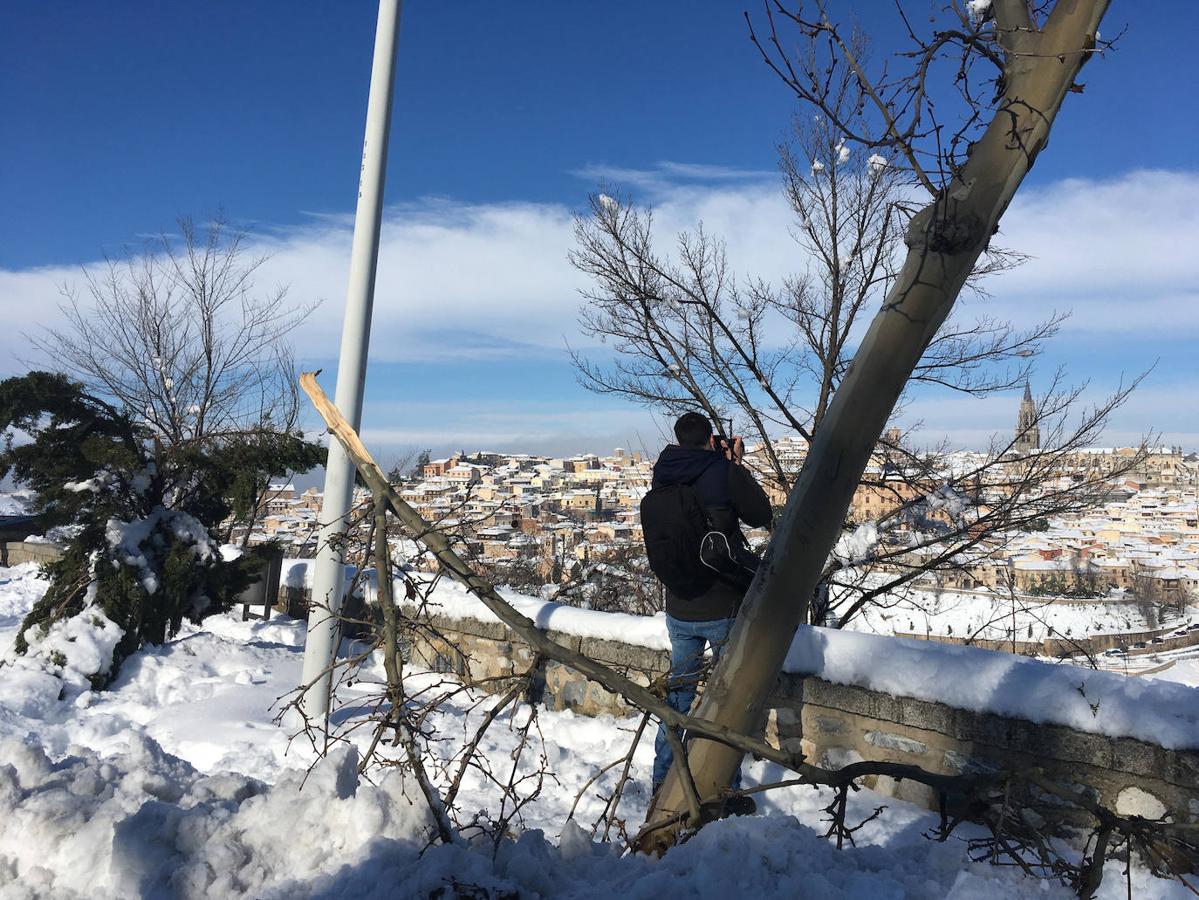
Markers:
point(120, 116)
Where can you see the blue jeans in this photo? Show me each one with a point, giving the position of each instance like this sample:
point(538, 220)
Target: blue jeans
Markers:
point(687, 642)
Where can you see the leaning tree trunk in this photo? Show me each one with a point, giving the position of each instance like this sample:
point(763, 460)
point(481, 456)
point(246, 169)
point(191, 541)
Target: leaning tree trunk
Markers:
point(944, 242)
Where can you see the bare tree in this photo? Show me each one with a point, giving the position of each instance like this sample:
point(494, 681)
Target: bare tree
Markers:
point(180, 337)
point(616, 579)
point(769, 359)
point(1013, 64)
point(407, 723)
point(687, 333)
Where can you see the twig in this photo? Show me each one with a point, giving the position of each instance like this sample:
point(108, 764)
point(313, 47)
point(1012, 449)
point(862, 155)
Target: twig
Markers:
point(614, 801)
point(590, 781)
point(491, 715)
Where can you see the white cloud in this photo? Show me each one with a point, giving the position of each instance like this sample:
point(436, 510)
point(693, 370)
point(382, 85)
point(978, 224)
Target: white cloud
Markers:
point(454, 280)
point(1119, 253)
point(460, 280)
point(664, 177)
point(396, 428)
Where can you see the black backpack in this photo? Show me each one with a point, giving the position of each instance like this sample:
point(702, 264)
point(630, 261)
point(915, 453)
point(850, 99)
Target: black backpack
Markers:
point(674, 523)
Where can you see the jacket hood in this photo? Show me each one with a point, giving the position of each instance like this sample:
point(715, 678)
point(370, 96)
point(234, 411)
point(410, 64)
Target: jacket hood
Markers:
point(679, 465)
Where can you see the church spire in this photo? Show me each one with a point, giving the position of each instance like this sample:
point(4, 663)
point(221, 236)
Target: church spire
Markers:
point(1028, 431)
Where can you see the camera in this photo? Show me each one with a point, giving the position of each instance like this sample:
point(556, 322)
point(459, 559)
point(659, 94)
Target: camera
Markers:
point(732, 447)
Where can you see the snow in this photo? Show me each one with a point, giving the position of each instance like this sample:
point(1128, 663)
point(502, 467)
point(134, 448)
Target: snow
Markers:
point(20, 587)
point(78, 487)
point(950, 501)
point(1183, 671)
point(877, 163)
point(145, 823)
point(127, 538)
point(842, 153)
point(977, 9)
point(453, 600)
point(991, 681)
point(857, 545)
point(983, 613)
point(14, 504)
point(60, 663)
point(817, 166)
point(177, 782)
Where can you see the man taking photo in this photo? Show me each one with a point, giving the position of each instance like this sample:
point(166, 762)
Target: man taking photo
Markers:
point(691, 519)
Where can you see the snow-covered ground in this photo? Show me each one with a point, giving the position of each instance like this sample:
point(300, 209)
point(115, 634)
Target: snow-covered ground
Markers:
point(178, 782)
point(14, 503)
point(1184, 670)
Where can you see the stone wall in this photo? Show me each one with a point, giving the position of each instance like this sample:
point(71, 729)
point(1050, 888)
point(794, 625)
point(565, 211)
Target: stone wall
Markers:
point(834, 725)
point(486, 651)
point(17, 552)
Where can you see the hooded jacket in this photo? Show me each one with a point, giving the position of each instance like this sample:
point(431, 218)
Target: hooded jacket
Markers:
point(729, 495)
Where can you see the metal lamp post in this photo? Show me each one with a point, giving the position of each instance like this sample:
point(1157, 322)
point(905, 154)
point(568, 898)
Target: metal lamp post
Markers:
point(329, 576)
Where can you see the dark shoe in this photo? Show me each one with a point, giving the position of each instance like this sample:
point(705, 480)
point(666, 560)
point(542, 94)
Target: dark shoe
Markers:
point(741, 805)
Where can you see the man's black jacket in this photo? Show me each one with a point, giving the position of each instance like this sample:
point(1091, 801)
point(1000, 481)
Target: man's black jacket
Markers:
point(728, 493)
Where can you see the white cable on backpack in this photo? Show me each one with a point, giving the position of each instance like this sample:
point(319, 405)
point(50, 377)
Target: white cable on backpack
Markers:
point(728, 552)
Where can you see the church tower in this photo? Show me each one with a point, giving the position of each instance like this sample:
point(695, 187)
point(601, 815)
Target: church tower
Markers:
point(1028, 432)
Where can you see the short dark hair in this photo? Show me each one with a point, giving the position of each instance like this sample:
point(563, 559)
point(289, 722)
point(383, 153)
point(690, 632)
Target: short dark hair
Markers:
point(692, 430)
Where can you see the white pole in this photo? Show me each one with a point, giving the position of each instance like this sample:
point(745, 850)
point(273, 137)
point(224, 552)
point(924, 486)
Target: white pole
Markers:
point(329, 576)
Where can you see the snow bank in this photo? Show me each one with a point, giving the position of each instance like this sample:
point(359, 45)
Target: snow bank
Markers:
point(453, 600)
point(61, 664)
point(147, 824)
point(989, 681)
